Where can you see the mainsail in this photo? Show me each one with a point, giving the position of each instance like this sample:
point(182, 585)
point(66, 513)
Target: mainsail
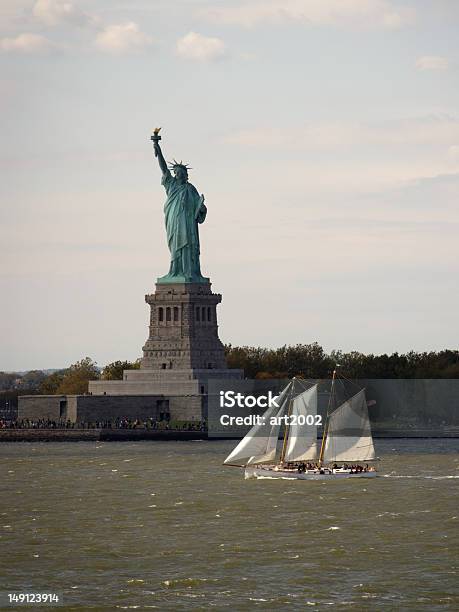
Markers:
point(349, 432)
point(302, 434)
point(260, 443)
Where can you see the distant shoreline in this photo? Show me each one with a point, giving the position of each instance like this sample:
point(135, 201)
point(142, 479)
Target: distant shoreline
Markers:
point(129, 435)
point(102, 435)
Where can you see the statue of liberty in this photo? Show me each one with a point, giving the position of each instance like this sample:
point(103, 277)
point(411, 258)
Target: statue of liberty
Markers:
point(183, 210)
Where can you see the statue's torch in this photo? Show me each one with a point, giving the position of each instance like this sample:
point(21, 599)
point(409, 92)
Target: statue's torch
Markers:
point(156, 138)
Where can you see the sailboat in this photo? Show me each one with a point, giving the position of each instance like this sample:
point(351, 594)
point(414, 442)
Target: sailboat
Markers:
point(346, 443)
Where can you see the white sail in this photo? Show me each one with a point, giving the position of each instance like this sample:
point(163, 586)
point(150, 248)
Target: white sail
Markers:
point(349, 432)
point(270, 452)
point(260, 443)
point(302, 437)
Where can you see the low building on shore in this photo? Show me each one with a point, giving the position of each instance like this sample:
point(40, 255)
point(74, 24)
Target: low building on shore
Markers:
point(93, 408)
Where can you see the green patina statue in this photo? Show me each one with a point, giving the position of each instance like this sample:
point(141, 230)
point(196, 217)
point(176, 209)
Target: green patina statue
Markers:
point(183, 210)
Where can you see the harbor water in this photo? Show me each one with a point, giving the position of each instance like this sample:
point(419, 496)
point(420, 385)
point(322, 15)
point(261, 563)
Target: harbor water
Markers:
point(163, 525)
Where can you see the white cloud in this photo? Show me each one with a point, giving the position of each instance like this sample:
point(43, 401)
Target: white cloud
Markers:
point(122, 38)
point(27, 43)
point(342, 13)
point(55, 12)
point(393, 20)
point(202, 48)
point(323, 159)
point(431, 130)
point(432, 62)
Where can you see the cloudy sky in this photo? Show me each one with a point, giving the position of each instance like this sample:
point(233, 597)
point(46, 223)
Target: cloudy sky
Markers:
point(323, 133)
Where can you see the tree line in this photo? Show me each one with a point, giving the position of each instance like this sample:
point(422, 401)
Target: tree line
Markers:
point(311, 361)
point(67, 381)
point(305, 360)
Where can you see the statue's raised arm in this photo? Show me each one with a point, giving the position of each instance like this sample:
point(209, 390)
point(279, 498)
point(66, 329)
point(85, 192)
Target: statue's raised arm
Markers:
point(157, 149)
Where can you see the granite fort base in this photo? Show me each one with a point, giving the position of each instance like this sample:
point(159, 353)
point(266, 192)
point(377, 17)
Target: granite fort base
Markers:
point(92, 409)
point(182, 353)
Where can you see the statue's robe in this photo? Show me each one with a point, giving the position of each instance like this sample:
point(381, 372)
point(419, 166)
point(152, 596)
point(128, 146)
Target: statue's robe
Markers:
point(183, 211)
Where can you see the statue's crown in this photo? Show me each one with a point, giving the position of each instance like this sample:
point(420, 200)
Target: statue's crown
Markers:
point(174, 165)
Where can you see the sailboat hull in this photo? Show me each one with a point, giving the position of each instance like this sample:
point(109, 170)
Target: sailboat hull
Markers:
point(266, 472)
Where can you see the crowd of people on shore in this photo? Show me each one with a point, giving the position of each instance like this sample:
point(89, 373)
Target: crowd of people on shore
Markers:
point(118, 423)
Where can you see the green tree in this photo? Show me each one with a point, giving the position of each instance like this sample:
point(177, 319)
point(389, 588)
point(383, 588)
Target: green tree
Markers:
point(76, 378)
point(50, 384)
point(114, 370)
point(310, 361)
point(7, 380)
point(32, 379)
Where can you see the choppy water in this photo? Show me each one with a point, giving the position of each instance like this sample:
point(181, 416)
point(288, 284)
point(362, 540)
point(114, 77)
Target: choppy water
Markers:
point(163, 525)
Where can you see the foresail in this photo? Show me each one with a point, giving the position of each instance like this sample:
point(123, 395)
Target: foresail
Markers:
point(349, 432)
point(260, 443)
point(270, 452)
point(302, 437)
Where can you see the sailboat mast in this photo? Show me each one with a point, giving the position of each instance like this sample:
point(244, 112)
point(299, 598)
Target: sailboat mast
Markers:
point(287, 425)
point(324, 436)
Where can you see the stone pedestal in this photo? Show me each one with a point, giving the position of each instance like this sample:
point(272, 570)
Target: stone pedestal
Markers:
point(183, 329)
point(182, 352)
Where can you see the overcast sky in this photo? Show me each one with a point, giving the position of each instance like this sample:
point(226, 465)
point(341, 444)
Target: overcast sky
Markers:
point(323, 133)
